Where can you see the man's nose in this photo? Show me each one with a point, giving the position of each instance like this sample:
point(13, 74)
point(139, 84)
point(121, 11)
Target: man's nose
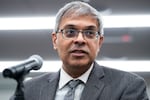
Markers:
point(80, 36)
point(80, 39)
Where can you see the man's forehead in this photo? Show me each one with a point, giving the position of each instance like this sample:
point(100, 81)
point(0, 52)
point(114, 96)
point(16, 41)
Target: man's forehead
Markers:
point(75, 21)
point(75, 26)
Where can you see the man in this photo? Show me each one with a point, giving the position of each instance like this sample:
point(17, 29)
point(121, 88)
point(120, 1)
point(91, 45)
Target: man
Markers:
point(78, 37)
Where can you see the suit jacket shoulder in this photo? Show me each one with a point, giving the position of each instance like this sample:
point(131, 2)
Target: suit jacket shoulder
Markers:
point(42, 87)
point(111, 84)
point(39, 79)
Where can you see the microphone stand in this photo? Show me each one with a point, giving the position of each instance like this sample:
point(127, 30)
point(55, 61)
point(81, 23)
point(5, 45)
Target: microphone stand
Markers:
point(18, 73)
point(19, 77)
point(19, 93)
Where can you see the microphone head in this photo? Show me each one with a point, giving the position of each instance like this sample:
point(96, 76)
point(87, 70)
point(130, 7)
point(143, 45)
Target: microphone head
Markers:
point(7, 72)
point(33, 63)
point(38, 60)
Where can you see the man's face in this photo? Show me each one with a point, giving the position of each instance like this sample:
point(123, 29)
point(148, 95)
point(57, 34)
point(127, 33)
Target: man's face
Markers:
point(79, 52)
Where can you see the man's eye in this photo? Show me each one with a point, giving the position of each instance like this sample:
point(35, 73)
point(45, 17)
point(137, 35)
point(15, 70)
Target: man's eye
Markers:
point(70, 31)
point(89, 32)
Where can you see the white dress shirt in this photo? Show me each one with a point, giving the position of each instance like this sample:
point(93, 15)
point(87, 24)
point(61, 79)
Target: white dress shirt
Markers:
point(65, 78)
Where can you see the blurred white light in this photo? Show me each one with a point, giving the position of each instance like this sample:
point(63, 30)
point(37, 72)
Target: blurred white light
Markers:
point(53, 66)
point(128, 21)
point(28, 23)
point(31, 23)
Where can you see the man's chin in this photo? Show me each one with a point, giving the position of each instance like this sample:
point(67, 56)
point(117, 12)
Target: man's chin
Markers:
point(79, 64)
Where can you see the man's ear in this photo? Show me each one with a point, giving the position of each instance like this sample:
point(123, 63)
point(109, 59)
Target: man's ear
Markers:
point(101, 39)
point(54, 39)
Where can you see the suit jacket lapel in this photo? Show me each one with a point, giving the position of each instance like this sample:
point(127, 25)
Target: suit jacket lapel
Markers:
point(48, 90)
point(94, 85)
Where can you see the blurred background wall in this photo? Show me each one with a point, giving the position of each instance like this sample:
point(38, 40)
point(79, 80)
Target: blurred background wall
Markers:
point(26, 26)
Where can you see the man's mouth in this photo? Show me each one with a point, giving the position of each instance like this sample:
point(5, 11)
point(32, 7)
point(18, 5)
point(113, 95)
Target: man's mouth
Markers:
point(78, 53)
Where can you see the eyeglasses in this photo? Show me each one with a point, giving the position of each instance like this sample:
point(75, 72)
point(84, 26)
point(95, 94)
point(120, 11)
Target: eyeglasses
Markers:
point(73, 33)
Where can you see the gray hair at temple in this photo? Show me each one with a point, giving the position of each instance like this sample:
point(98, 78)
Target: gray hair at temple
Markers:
point(78, 8)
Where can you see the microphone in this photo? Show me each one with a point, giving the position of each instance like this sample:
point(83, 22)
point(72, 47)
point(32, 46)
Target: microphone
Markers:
point(33, 63)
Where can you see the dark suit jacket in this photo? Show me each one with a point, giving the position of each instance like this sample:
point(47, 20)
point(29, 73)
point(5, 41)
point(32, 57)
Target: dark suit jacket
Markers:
point(103, 84)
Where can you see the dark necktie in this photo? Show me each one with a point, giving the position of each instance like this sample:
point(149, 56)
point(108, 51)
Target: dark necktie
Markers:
point(72, 86)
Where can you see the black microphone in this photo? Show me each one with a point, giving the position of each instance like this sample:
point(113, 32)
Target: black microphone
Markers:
point(33, 63)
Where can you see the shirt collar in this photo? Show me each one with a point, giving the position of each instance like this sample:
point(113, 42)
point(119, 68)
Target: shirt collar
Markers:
point(65, 78)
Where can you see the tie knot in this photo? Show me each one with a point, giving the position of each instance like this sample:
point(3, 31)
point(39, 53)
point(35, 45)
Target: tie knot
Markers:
point(74, 83)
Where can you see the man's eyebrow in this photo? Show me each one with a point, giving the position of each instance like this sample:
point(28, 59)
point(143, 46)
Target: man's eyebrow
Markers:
point(90, 28)
point(70, 26)
point(85, 28)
